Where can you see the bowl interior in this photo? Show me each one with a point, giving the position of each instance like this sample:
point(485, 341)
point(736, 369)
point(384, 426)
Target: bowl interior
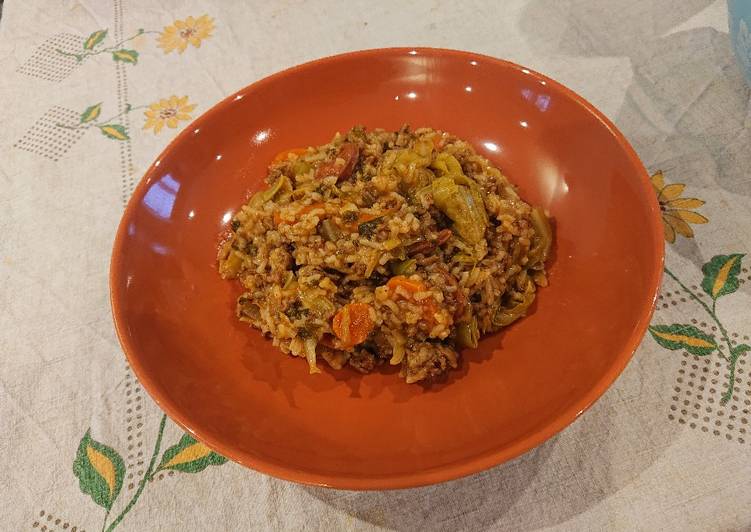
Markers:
point(223, 381)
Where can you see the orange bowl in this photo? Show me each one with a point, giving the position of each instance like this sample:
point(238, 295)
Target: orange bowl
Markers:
point(225, 383)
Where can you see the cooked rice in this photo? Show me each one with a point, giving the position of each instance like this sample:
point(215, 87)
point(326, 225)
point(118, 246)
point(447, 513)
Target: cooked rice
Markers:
point(398, 247)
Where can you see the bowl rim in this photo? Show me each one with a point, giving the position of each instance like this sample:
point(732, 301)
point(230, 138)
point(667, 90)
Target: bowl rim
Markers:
point(448, 471)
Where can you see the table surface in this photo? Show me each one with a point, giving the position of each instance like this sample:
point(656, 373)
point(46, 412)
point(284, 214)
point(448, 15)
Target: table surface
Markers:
point(666, 448)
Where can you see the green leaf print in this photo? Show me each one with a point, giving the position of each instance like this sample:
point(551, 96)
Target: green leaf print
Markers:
point(126, 56)
point(114, 131)
point(94, 39)
point(686, 337)
point(189, 456)
point(100, 471)
point(721, 275)
point(91, 113)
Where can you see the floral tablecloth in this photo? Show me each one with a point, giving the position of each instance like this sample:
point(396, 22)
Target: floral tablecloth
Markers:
point(91, 91)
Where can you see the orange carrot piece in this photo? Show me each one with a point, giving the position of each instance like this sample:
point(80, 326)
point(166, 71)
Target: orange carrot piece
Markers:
point(406, 284)
point(410, 286)
point(352, 324)
point(308, 208)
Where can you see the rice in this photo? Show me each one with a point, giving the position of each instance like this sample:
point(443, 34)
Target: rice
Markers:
point(385, 247)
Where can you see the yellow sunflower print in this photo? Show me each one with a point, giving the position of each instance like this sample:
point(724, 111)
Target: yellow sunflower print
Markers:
point(168, 111)
point(181, 32)
point(676, 211)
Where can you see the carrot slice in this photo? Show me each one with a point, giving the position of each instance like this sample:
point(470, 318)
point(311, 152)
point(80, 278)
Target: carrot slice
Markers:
point(428, 305)
point(352, 324)
point(312, 206)
point(405, 283)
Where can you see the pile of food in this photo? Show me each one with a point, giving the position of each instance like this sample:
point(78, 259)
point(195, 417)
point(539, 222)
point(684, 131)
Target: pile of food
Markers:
point(385, 247)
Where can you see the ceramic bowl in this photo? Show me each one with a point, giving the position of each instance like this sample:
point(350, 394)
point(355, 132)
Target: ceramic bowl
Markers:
point(226, 384)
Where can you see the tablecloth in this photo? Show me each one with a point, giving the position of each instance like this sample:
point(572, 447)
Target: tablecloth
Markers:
point(92, 90)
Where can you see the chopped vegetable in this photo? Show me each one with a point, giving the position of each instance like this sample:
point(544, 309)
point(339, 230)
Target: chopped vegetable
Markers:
point(322, 307)
point(457, 202)
point(300, 167)
point(282, 188)
point(477, 194)
point(329, 231)
point(364, 217)
point(413, 286)
point(310, 208)
point(370, 227)
point(403, 267)
point(230, 267)
point(410, 165)
point(467, 333)
point(391, 243)
point(544, 236)
point(315, 300)
point(446, 164)
point(295, 310)
point(506, 315)
point(352, 324)
point(410, 285)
